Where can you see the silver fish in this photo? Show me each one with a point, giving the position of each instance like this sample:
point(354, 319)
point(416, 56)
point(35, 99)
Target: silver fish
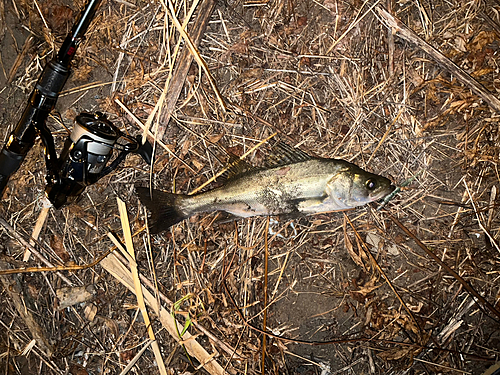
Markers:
point(292, 182)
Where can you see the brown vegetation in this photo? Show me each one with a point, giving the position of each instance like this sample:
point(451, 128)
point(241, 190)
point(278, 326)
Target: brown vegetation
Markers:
point(413, 98)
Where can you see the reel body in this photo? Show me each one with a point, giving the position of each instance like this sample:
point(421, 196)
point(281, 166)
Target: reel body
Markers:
point(85, 155)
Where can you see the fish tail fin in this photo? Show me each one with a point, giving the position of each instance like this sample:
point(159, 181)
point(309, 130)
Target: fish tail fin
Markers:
point(164, 208)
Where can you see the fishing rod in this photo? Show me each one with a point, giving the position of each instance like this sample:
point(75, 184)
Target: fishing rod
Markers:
point(89, 147)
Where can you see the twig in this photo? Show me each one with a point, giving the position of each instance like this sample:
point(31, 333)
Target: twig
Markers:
point(25, 243)
point(143, 127)
point(409, 35)
point(221, 172)
point(23, 307)
point(134, 360)
point(184, 63)
point(264, 319)
point(476, 296)
point(19, 59)
point(42, 217)
point(388, 281)
point(115, 267)
point(352, 25)
point(169, 8)
point(137, 284)
point(55, 268)
point(479, 221)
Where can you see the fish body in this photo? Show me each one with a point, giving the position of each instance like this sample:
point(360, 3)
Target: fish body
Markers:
point(296, 183)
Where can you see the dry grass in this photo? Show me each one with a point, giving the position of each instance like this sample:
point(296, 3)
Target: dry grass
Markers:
point(329, 77)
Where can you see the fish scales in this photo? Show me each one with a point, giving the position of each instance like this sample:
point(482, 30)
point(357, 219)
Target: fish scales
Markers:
point(267, 192)
point(308, 185)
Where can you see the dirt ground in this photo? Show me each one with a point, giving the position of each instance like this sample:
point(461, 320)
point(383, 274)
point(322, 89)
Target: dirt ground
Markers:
point(344, 292)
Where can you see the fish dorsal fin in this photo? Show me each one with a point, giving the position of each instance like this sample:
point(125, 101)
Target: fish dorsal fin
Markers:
point(284, 154)
point(234, 168)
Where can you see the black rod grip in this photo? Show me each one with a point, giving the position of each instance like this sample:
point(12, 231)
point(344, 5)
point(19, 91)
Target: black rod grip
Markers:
point(9, 164)
point(41, 102)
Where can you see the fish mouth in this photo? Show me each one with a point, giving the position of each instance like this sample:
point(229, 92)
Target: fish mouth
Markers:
point(383, 192)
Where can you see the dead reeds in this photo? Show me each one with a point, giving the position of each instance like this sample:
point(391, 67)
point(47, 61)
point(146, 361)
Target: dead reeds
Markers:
point(404, 89)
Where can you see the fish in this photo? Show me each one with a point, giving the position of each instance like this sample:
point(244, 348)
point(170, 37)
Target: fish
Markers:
point(291, 182)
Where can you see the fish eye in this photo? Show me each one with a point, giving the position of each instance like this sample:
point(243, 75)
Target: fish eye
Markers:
point(371, 184)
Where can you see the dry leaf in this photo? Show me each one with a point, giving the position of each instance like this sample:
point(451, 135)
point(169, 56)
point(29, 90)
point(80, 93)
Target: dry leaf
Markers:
point(112, 325)
point(482, 39)
point(57, 244)
point(77, 369)
point(90, 312)
point(350, 249)
point(368, 287)
point(215, 138)
point(396, 353)
point(69, 296)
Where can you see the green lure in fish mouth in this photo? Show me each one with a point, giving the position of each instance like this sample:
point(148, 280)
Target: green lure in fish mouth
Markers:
point(291, 182)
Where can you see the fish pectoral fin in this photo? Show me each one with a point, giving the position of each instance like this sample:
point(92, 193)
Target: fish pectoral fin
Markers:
point(323, 204)
point(311, 205)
